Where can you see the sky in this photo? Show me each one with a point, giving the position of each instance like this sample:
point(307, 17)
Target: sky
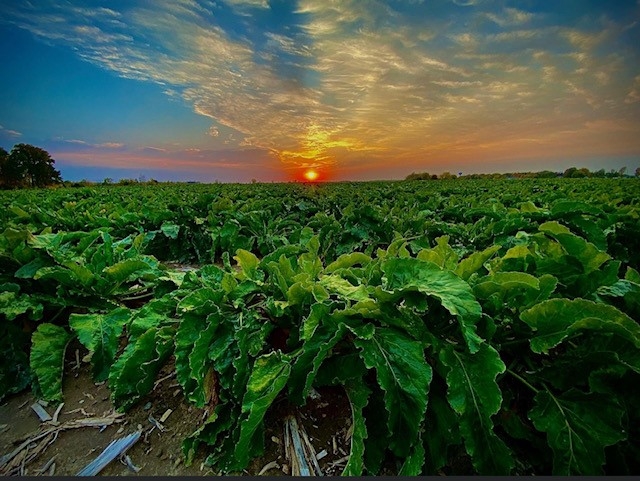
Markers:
point(236, 90)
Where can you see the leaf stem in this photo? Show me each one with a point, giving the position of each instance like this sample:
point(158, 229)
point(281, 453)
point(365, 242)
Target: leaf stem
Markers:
point(523, 381)
point(135, 298)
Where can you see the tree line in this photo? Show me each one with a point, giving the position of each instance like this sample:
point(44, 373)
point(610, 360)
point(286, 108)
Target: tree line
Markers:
point(570, 173)
point(27, 166)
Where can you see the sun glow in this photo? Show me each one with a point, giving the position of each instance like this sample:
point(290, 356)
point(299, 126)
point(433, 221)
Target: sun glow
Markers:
point(311, 175)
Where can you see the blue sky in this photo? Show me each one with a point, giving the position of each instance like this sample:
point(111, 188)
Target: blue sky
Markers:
point(234, 90)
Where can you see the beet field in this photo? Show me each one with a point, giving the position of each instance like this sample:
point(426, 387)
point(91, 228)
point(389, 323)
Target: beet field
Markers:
point(466, 326)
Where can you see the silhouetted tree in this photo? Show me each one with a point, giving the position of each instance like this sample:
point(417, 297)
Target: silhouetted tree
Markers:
point(28, 166)
point(447, 175)
point(420, 176)
point(4, 160)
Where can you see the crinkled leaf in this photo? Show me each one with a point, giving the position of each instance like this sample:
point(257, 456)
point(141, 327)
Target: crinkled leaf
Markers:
point(193, 339)
point(210, 431)
point(337, 285)
point(100, 333)
point(348, 371)
point(404, 375)
point(455, 294)
point(59, 274)
point(134, 372)
point(579, 426)
point(13, 305)
point(358, 395)
point(319, 311)
point(201, 301)
point(49, 343)
point(474, 395)
point(555, 319)
point(268, 377)
point(152, 314)
point(314, 352)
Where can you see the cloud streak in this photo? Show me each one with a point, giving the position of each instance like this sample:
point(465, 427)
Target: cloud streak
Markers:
point(348, 80)
point(10, 133)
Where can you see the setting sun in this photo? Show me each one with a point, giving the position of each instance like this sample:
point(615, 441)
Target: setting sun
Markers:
point(311, 175)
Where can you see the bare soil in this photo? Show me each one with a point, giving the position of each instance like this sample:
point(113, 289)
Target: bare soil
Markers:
point(326, 419)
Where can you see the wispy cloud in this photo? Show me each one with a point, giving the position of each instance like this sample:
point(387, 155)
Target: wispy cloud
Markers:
point(9, 132)
point(84, 143)
point(510, 17)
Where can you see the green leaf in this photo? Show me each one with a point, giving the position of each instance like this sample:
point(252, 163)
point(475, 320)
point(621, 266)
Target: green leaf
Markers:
point(123, 270)
point(134, 372)
point(516, 289)
point(314, 351)
point(474, 395)
point(563, 207)
point(556, 319)
point(170, 229)
point(152, 314)
point(632, 275)
point(29, 270)
point(358, 394)
point(49, 343)
point(441, 427)
point(404, 375)
point(268, 377)
point(455, 294)
point(579, 426)
point(193, 341)
point(100, 333)
point(587, 253)
point(248, 263)
point(347, 260)
point(13, 305)
point(629, 291)
point(82, 273)
point(474, 262)
point(442, 254)
point(201, 301)
point(337, 285)
point(413, 464)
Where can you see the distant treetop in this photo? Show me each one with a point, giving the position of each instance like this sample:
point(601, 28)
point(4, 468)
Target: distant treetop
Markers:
point(27, 166)
point(572, 173)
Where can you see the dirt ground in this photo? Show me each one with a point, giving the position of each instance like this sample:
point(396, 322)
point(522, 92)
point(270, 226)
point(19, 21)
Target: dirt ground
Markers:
point(326, 419)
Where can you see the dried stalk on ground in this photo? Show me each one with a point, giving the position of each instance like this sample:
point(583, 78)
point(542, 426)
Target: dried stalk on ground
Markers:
point(15, 462)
